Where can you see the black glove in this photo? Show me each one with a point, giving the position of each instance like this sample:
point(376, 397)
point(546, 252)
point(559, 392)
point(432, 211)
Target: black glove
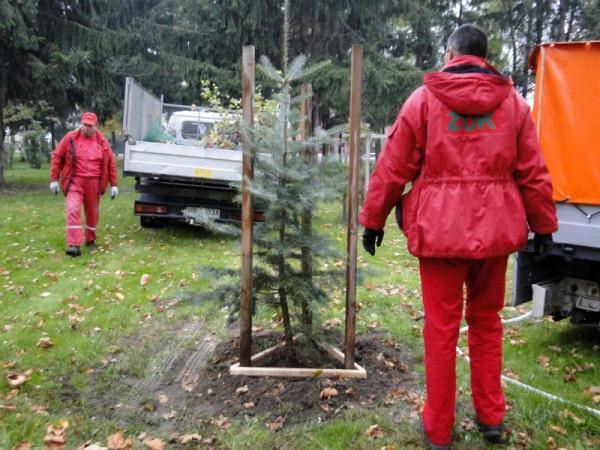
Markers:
point(542, 246)
point(368, 239)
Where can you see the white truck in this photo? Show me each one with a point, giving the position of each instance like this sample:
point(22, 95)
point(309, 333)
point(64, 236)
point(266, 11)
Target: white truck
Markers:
point(566, 113)
point(178, 180)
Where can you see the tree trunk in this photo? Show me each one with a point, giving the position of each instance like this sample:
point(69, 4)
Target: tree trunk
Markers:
point(562, 15)
point(285, 313)
point(527, 49)
point(3, 82)
point(539, 21)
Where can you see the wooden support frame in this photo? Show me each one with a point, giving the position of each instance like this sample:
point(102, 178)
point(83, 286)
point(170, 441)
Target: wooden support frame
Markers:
point(296, 372)
point(351, 368)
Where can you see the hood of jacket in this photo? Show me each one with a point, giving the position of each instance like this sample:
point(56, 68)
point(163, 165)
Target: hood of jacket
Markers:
point(469, 85)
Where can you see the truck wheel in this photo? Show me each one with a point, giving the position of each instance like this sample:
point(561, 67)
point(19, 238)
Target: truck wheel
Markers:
point(150, 222)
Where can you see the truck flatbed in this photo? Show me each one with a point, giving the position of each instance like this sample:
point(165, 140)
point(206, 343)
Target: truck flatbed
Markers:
point(164, 160)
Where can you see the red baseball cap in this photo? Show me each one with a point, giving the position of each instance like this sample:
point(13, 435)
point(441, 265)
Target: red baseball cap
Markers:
point(89, 118)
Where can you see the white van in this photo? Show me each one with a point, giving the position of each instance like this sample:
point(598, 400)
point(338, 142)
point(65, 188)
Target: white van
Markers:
point(192, 125)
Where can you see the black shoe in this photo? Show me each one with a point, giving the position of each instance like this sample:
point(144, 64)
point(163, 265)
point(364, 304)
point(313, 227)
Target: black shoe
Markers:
point(431, 445)
point(73, 250)
point(91, 245)
point(492, 433)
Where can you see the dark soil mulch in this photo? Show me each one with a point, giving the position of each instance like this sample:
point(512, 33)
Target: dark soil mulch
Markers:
point(207, 397)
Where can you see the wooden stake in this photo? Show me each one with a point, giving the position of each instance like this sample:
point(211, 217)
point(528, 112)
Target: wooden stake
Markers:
point(353, 187)
point(306, 220)
point(248, 60)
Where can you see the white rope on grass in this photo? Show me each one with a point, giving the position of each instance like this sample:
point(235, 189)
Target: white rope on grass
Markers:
point(527, 387)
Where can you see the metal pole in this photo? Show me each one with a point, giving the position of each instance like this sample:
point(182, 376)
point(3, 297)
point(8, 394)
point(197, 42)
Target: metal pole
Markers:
point(248, 60)
point(353, 187)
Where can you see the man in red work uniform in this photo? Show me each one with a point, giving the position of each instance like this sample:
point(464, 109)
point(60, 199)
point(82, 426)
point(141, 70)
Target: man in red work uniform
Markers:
point(84, 163)
point(466, 141)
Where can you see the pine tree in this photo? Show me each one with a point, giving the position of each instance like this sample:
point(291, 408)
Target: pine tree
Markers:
point(290, 273)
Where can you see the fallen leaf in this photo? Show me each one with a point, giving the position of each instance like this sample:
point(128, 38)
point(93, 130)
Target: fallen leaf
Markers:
point(144, 279)
point(118, 441)
point(551, 443)
point(331, 323)
point(568, 414)
point(325, 407)
point(187, 438)
point(596, 399)
point(6, 328)
point(9, 364)
point(89, 446)
point(45, 342)
point(162, 398)
point(75, 320)
point(221, 422)
point(559, 429)
point(23, 446)
point(7, 407)
point(55, 437)
point(39, 410)
point(328, 393)
point(374, 432)
point(45, 294)
point(592, 392)
point(543, 360)
point(510, 373)
point(350, 392)
point(467, 424)
point(190, 382)
point(242, 389)
point(15, 379)
point(169, 415)
point(155, 444)
point(249, 405)
point(277, 424)
point(12, 394)
point(277, 390)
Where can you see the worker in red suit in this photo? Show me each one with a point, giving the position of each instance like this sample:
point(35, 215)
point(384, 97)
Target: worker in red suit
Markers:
point(84, 163)
point(467, 143)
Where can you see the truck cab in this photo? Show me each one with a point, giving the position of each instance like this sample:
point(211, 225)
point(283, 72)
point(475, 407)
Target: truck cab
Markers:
point(192, 124)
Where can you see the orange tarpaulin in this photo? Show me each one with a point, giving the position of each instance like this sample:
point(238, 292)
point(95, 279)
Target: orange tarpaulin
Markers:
point(566, 111)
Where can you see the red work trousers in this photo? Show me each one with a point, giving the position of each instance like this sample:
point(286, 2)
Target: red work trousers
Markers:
point(83, 191)
point(442, 283)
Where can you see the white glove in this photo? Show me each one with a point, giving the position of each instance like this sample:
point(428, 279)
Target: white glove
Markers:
point(54, 187)
point(114, 192)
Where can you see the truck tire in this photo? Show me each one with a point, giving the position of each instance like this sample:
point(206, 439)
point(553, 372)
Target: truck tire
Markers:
point(150, 222)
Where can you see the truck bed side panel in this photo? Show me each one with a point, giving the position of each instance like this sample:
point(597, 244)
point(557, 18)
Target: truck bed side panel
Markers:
point(155, 159)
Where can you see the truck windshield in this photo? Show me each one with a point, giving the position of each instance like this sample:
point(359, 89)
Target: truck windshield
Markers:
point(195, 130)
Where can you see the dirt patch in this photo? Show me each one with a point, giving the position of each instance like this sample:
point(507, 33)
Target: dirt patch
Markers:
point(390, 378)
point(186, 385)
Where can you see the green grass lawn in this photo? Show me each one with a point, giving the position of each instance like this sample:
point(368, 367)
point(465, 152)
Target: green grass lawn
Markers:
point(88, 308)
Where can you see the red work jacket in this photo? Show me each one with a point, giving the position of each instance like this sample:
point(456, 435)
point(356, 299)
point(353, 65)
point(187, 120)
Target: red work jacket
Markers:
point(64, 161)
point(466, 141)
